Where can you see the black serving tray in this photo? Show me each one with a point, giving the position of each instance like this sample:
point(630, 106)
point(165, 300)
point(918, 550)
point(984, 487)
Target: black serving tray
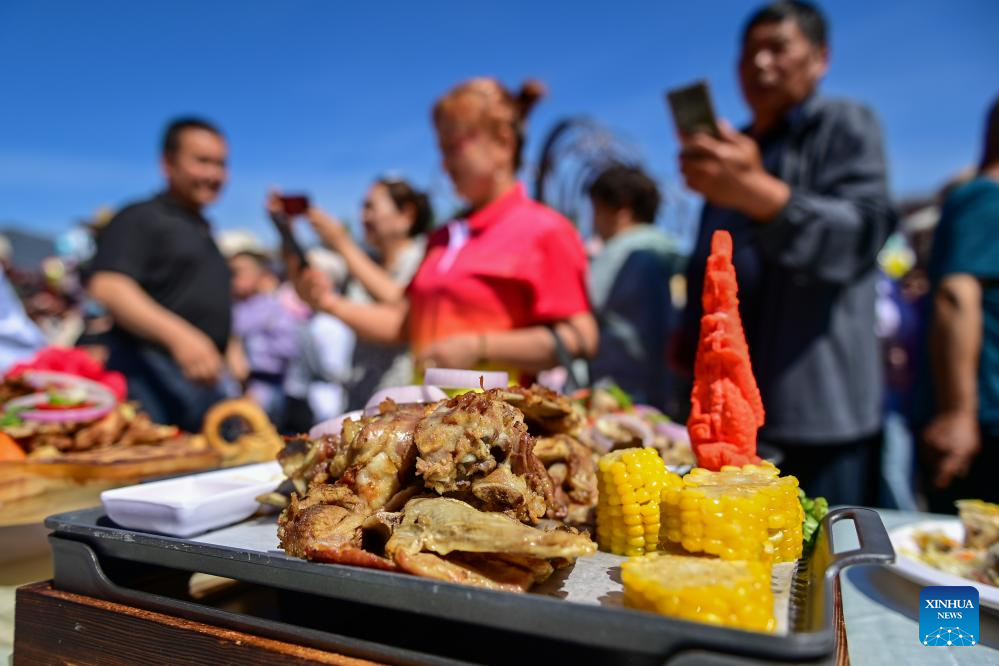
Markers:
point(396, 618)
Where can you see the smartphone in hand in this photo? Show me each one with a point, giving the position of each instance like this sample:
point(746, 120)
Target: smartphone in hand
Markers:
point(294, 204)
point(692, 109)
point(289, 244)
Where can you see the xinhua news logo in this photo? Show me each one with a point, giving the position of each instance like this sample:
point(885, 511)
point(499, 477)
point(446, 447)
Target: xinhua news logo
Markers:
point(948, 616)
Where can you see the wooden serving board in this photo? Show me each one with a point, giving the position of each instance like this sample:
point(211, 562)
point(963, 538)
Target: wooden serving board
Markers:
point(55, 627)
point(30, 490)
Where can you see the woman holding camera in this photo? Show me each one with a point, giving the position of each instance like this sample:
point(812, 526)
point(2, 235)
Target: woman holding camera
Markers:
point(396, 218)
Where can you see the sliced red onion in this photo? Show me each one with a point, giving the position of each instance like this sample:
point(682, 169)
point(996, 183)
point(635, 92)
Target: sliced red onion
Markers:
point(44, 379)
point(451, 378)
point(102, 405)
point(599, 441)
point(334, 425)
point(646, 410)
point(403, 395)
point(101, 398)
point(633, 424)
point(674, 431)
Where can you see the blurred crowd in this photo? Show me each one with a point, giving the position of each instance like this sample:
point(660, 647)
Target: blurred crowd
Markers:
point(873, 325)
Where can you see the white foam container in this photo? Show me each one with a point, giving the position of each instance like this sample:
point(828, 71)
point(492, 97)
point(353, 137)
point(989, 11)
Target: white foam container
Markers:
point(193, 504)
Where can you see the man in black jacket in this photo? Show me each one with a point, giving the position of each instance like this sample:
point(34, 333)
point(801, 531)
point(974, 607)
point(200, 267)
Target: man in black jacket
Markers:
point(804, 193)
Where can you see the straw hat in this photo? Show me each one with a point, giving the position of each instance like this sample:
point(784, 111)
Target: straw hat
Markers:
point(240, 241)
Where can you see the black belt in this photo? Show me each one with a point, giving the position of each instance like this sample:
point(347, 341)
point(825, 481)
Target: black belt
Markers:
point(266, 377)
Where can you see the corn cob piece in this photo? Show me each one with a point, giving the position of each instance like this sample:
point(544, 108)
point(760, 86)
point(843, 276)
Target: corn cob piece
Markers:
point(702, 589)
point(737, 513)
point(629, 487)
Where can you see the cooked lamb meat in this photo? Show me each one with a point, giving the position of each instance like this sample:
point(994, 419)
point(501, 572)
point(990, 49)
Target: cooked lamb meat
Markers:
point(305, 461)
point(545, 411)
point(465, 438)
point(479, 443)
point(103, 432)
point(476, 447)
point(443, 525)
point(376, 456)
point(389, 432)
point(485, 549)
point(430, 565)
point(573, 470)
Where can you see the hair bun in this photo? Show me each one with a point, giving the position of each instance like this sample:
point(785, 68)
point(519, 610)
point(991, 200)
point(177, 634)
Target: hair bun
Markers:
point(531, 91)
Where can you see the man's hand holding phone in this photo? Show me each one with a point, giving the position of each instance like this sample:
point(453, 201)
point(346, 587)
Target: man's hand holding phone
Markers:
point(720, 163)
point(728, 171)
point(692, 110)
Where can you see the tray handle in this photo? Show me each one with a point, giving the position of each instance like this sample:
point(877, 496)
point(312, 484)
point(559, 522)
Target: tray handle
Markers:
point(875, 546)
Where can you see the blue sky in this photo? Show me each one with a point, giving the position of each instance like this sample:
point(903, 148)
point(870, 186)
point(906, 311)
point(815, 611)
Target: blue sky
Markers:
point(323, 96)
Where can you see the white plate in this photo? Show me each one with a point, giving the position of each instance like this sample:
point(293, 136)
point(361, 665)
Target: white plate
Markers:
point(334, 426)
point(192, 504)
point(918, 571)
point(402, 395)
point(455, 378)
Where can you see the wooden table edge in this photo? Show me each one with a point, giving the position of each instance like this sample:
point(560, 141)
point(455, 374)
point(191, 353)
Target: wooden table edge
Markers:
point(75, 611)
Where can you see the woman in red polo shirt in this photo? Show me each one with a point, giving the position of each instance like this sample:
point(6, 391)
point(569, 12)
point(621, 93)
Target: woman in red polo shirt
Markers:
point(495, 282)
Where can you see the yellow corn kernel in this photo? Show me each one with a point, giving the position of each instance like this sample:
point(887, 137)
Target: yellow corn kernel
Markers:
point(630, 484)
point(737, 513)
point(702, 589)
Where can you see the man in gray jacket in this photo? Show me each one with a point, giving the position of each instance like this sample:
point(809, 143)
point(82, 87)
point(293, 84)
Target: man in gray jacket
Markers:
point(804, 193)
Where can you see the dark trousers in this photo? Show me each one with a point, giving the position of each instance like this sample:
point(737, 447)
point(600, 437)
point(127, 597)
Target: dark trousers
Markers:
point(157, 383)
point(980, 483)
point(297, 416)
point(843, 473)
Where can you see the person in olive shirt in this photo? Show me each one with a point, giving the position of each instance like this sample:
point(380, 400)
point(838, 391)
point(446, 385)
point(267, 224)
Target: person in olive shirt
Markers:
point(164, 281)
point(804, 193)
point(960, 388)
